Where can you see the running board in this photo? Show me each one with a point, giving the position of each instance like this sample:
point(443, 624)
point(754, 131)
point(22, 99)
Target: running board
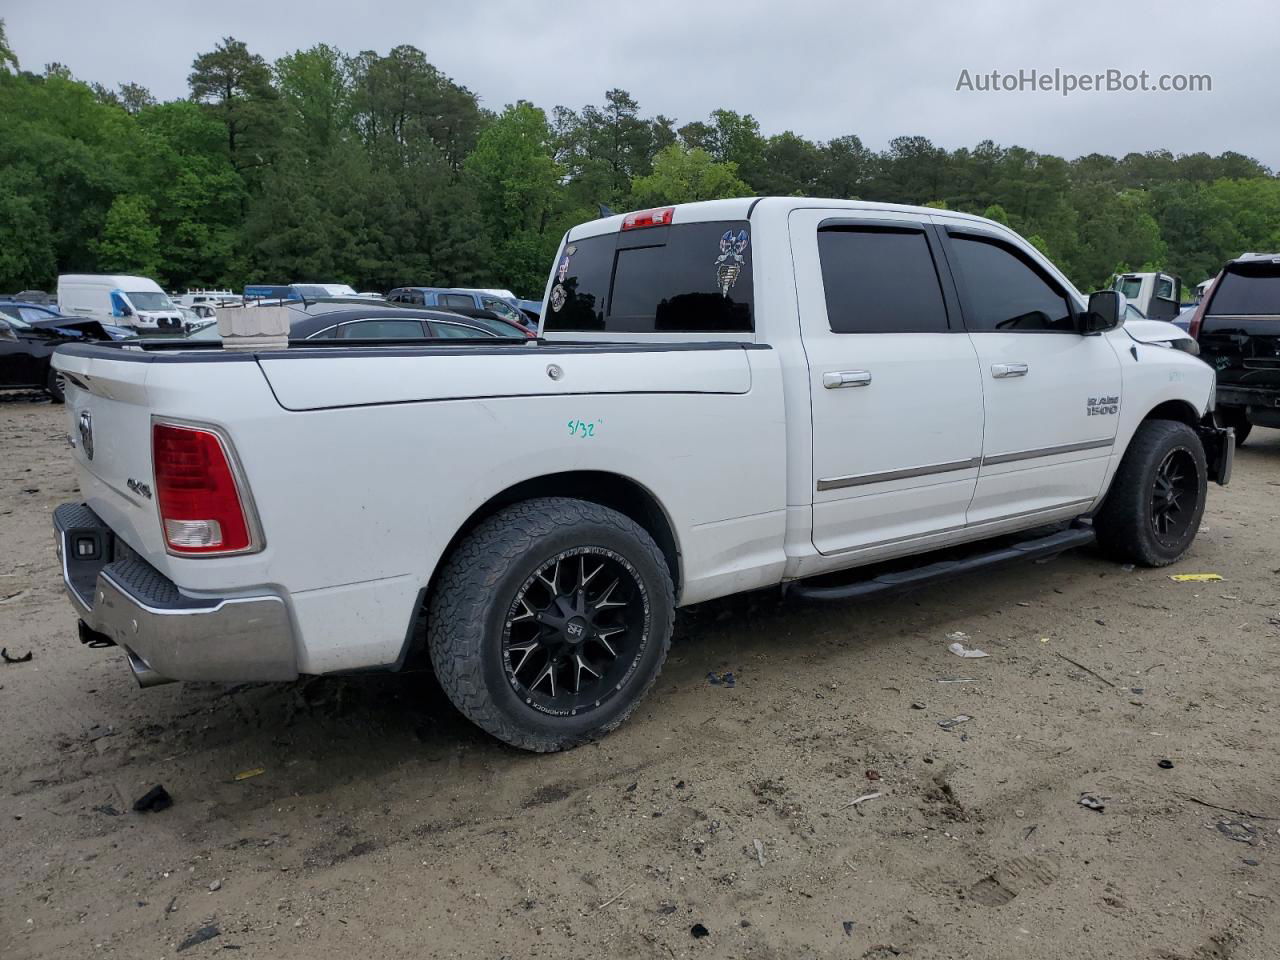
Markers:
point(1049, 546)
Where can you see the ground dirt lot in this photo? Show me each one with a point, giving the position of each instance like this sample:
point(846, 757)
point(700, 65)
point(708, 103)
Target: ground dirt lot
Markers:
point(385, 826)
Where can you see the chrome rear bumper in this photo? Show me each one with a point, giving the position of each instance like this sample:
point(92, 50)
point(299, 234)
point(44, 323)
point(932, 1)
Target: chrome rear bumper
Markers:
point(169, 635)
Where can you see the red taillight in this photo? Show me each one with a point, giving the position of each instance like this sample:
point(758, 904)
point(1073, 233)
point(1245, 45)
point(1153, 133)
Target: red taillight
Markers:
point(657, 217)
point(1197, 318)
point(200, 506)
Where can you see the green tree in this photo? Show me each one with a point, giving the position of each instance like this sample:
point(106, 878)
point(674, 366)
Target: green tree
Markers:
point(681, 175)
point(236, 86)
point(516, 184)
point(8, 60)
point(130, 243)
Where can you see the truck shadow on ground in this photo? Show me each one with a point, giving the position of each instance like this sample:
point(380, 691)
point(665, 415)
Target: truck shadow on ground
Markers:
point(323, 731)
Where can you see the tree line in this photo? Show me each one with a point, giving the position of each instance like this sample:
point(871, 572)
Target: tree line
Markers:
point(380, 171)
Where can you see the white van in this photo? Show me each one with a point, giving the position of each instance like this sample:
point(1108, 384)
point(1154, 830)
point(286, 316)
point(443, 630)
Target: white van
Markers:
point(136, 302)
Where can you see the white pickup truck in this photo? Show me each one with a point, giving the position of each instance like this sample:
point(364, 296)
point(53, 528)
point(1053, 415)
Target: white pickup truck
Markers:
point(725, 396)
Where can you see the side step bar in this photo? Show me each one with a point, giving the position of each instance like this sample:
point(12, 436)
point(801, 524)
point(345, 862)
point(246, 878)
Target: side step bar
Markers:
point(1047, 546)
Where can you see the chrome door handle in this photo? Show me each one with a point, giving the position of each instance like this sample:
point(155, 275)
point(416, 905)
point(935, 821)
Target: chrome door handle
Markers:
point(1002, 370)
point(846, 378)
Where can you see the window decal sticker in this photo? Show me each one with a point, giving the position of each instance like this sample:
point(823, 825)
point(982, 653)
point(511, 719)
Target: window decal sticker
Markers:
point(729, 263)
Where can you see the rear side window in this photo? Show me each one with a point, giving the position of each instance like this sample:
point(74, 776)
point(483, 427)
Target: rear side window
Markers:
point(382, 330)
point(1005, 292)
point(880, 280)
point(456, 300)
point(456, 331)
point(683, 278)
point(1248, 290)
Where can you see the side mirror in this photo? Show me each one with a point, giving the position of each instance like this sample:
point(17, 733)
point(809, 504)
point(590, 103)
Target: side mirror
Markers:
point(6, 330)
point(1105, 312)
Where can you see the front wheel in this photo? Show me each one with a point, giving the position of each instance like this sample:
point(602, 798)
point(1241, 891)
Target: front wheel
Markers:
point(550, 622)
point(1153, 510)
point(56, 386)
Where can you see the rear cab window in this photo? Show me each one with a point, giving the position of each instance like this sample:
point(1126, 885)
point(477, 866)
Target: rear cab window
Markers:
point(679, 278)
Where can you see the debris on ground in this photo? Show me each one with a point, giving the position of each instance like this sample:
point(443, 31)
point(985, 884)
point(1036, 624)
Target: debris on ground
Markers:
point(1194, 577)
point(1092, 673)
point(862, 799)
point(954, 721)
point(1249, 863)
point(106, 810)
point(873, 774)
point(1164, 764)
point(717, 679)
point(969, 653)
point(4, 652)
point(153, 801)
point(1127, 568)
point(957, 679)
point(1092, 802)
point(215, 886)
point(1235, 830)
point(759, 851)
point(698, 931)
point(917, 705)
point(848, 928)
point(200, 936)
point(246, 774)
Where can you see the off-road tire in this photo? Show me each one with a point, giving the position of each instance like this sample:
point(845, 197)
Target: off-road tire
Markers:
point(1125, 528)
point(479, 581)
point(54, 388)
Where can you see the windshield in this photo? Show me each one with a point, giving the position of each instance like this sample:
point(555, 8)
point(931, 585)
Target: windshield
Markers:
point(10, 313)
point(1130, 287)
point(145, 300)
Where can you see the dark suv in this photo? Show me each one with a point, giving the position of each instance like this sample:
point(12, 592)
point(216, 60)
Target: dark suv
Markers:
point(1238, 327)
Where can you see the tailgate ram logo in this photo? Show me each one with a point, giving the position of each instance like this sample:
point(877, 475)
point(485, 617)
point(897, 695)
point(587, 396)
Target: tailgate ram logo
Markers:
point(86, 433)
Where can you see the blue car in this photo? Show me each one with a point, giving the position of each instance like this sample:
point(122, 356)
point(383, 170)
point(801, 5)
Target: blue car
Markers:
point(447, 297)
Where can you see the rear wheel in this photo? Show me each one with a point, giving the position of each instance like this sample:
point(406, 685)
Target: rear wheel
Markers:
point(1235, 418)
point(550, 622)
point(55, 386)
point(1152, 512)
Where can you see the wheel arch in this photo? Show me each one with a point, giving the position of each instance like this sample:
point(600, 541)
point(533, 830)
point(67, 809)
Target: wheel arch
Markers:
point(613, 490)
point(1180, 410)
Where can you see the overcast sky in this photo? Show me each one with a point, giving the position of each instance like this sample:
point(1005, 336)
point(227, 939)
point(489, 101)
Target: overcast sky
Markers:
point(819, 67)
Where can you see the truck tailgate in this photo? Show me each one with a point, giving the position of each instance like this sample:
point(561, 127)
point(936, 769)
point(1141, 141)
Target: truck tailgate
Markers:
point(1245, 350)
point(109, 429)
point(349, 379)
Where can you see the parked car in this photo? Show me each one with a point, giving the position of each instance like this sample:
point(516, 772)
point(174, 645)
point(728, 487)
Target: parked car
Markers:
point(1237, 325)
point(344, 320)
point(40, 315)
point(452, 298)
point(125, 301)
point(531, 309)
point(729, 395)
point(28, 341)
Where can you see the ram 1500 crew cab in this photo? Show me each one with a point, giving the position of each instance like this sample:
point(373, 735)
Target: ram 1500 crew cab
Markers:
point(726, 396)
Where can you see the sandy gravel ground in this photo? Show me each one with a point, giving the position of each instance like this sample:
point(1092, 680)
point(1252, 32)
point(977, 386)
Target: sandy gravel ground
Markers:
point(383, 826)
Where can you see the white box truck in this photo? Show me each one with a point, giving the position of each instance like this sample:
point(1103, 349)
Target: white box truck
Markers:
point(137, 302)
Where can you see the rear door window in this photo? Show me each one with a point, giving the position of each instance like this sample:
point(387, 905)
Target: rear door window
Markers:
point(1248, 290)
point(683, 278)
point(382, 330)
point(880, 280)
point(457, 300)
